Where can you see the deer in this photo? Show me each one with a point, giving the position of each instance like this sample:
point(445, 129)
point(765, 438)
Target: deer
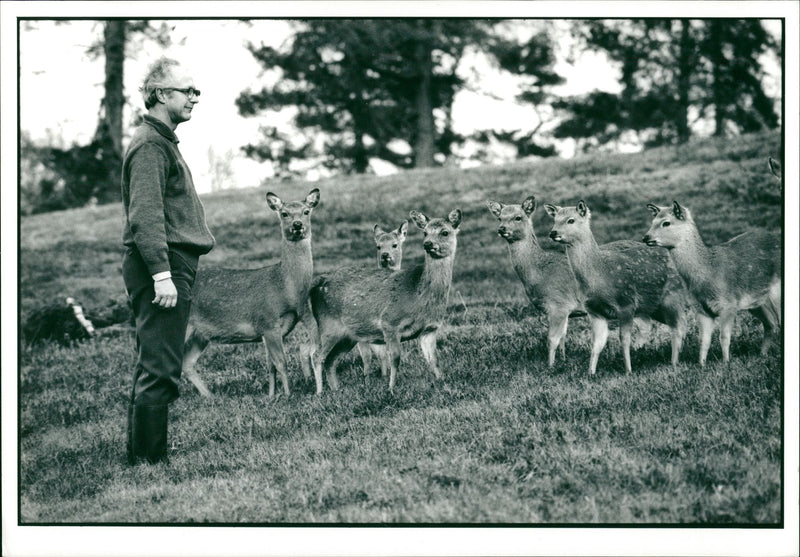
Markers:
point(744, 273)
point(620, 280)
point(354, 304)
point(232, 306)
point(389, 247)
point(548, 280)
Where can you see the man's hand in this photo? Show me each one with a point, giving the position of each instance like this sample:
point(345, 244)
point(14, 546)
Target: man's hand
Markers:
point(166, 293)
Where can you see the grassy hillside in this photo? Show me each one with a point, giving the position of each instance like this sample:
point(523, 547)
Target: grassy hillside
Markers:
point(501, 439)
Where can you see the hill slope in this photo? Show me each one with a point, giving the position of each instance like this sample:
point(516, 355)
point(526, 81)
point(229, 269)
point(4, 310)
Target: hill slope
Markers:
point(502, 439)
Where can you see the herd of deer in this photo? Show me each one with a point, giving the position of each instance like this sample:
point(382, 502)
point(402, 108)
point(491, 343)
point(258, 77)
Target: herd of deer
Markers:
point(666, 276)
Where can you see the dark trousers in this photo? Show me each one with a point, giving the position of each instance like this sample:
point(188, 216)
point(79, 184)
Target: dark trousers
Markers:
point(160, 333)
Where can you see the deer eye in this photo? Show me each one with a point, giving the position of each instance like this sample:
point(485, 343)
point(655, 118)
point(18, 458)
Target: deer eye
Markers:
point(305, 212)
point(571, 221)
point(518, 218)
point(284, 214)
point(445, 233)
point(665, 224)
point(394, 245)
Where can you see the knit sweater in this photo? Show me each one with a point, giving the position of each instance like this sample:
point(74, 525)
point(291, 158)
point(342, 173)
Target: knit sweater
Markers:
point(162, 209)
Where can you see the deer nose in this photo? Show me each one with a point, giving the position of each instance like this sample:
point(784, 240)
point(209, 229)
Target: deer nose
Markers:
point(553, 234)
point(502, 229)
point(428, 244)
point(384, 256)
point(646, 238)
point(297, 225)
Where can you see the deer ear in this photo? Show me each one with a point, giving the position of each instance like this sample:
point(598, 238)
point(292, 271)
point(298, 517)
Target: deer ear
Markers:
point(582, 208)
point(653, 209)
point(679, 212)
point(419, 219)
point(495, 208)
point(529, 205)
point(454, 217)
point(376, 230)
point(274, 201)
point(775, 168)
point(312, 199)
point(551, 209)
point(403, 230)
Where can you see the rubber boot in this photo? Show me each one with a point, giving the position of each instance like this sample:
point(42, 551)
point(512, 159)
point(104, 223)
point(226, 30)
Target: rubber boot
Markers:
point(147, 434)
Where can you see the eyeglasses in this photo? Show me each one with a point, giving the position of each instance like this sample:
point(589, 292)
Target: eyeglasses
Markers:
point(189, 91)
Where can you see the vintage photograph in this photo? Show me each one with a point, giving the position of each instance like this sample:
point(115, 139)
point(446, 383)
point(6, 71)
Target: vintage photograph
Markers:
point(313, 272)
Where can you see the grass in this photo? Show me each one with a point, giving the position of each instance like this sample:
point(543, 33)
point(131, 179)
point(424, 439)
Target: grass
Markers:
point(502, 440)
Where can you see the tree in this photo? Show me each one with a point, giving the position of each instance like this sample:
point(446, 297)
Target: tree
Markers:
point(92, 172)
point(364, 83)
point(670, 69)
point(732, 48)
point(532, 62)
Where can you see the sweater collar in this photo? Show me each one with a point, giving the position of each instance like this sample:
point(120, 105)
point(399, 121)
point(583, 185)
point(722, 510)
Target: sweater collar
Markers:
point(160, 127)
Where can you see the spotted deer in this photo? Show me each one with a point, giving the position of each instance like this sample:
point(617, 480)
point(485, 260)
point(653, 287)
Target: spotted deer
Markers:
point(548, 280)
point(368, 305)
point(389, 247)
point(232, 306)
point(744, 273)
point(620, 280)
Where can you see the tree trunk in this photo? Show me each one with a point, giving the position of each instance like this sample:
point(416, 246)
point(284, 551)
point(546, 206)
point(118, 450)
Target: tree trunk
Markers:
point(114, 99)
point(684, 74)
point(424, 148)
point(717, 86)
point(360, 155)
point(108, 135)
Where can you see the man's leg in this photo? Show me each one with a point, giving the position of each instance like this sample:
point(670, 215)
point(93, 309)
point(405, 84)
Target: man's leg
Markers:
point(160, 337)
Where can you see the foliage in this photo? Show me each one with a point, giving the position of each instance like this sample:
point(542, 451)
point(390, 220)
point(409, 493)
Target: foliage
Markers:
point(40, 188)
point(672, 71)
point(532, 62)
point(363, 84)
point(82, 174)
point(501, 440)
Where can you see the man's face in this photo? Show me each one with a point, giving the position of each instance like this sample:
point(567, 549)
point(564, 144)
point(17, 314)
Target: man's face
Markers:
point(179, 105)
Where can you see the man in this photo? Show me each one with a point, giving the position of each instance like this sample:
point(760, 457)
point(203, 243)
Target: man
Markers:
point(165, 234)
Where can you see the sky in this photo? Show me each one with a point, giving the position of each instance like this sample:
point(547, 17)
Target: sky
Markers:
point(61, 89)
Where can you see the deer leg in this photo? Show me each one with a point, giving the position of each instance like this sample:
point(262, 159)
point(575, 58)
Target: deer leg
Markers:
point(625, 330)
point(379, 350)
point(678, 332)
point(726, 321)
point(305, 355)
point(319, 358)
point(192, 349)
point(366, 355)
point(706, 329)
point(310, 346)
point(337, 348)
point(599, 337)
point(276, 360)
point(556, 334)
point(427, 344)
point(769, 319)
point(392, 340)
